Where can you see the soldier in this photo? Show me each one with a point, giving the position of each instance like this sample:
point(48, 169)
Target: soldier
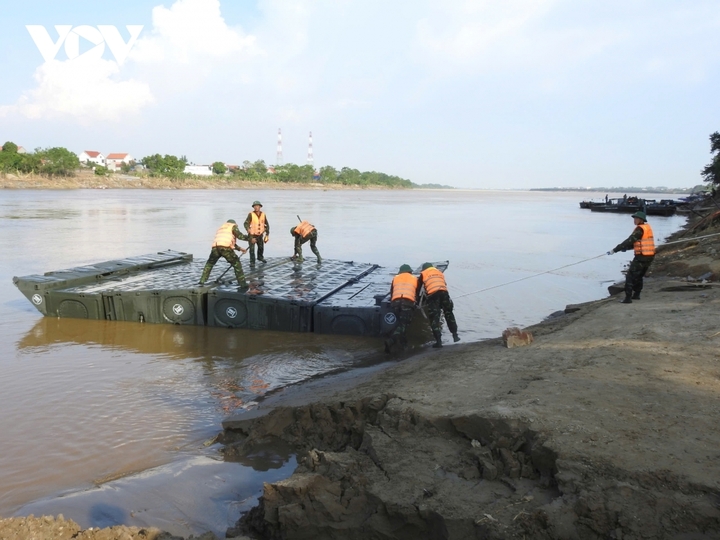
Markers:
point(223, 246)
point(302, 233)
point(403, 297)
point(438, 302)
point(643, 243)
point(258, 229)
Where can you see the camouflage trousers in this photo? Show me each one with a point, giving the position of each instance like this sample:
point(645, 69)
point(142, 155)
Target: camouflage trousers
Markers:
point(260, 243)
point(438, 304)
point(404, 311)
point(299, 241)
point(230, 256)
point(634, 277)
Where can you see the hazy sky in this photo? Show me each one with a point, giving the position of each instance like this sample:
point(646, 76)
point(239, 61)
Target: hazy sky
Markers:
point(475, 93)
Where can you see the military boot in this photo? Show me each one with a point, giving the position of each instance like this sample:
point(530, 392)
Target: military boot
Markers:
point(626, 300)
point(456, 338)
point(636, 295)
point(438, 339)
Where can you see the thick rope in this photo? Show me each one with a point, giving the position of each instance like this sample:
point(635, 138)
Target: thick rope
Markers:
point(528, 277)
point(573, 264)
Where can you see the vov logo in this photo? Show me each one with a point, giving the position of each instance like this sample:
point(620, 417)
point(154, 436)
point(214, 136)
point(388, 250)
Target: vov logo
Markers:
point(70, 37)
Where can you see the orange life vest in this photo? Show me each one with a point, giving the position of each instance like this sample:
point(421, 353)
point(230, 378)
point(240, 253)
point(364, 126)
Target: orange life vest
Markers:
point(257, 225)
point(404, 286)
point(224, 236)
point(433, 280)
point(646, 245)
point(304, 229)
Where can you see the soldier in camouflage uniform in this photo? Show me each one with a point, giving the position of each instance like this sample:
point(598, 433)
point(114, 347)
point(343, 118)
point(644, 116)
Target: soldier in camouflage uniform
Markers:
point(642, 242)
point(438, 302)
point(302, 233)
point(224, 246)
point(403, 297)
point(258, 229)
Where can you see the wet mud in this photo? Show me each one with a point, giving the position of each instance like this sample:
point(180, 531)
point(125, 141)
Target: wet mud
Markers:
point(377, 468)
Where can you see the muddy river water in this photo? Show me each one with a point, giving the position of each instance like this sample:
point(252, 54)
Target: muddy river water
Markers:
point(112, 422)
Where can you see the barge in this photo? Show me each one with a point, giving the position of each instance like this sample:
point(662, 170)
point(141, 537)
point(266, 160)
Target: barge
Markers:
point(335, 297)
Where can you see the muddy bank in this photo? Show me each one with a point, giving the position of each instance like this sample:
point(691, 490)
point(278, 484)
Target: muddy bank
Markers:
point(59, 528)
point(604, 427)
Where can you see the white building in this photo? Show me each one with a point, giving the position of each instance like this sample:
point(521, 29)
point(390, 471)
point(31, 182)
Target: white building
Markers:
point(200, 170)
point(114, 161)
point(92, 156)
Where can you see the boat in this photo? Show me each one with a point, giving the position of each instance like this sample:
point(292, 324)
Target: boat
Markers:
point(631, 205)
point(335, 297)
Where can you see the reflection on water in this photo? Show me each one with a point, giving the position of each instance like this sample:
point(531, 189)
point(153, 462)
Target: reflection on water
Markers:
point(241, 365)
point(186, 497)
point(85, 401)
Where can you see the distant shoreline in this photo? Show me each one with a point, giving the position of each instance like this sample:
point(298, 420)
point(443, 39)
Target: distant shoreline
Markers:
point(619, 190)
point(84, 181)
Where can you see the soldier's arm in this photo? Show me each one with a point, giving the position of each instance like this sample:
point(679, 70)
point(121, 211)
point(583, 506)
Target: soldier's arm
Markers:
point(238, 234)
point(267, 226)
point(630, 241)
point(247, 223)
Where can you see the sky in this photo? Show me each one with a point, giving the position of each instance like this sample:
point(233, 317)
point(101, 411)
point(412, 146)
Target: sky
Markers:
point(486, 94)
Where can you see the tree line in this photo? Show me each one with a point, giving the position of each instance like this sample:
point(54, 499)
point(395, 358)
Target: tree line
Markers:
point(258, 171)
point(61, 162)
point(50, 161)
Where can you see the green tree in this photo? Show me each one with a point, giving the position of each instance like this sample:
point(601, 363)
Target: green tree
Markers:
point(328, 175)
point(259, 167)
point(57, 161)
point(711, 172)
point(127, 167)
point(166, 165)
point(101, 171)
point(219, 168)
point(10, 147)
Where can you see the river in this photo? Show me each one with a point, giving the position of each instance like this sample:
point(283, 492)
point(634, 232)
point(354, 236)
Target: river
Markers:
point(112, 422)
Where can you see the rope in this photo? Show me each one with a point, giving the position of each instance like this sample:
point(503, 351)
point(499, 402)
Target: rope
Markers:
point(690, 239)
point(528, 277)
point(573, 264)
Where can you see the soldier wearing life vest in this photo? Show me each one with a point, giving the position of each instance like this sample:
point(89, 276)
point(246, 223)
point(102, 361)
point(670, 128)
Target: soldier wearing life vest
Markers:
point(642, 242)
point(403, 299)
point(302, 233)
point(438, 302)
point(224, 246)
point(258, 229)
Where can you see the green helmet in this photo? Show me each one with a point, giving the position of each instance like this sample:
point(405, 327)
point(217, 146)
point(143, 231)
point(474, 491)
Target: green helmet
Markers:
point(405, 268)
point(231, 221)
point(640, 215)
point(257, 203)
point(427, 265)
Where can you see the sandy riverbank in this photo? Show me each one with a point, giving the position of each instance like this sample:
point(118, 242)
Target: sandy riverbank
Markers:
point(604, 427)
point(88, 180)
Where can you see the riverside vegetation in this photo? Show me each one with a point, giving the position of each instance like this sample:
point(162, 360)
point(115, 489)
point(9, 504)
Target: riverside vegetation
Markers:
point(58, 168)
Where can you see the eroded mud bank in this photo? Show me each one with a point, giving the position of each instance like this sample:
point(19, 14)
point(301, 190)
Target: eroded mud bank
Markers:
point(376, 468)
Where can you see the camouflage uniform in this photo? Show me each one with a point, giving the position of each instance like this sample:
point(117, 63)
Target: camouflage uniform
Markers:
point(404, 311)
point(299, 241)
point(259, 239)
point(437, 304)
point(638, 267)
point(229, 255)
